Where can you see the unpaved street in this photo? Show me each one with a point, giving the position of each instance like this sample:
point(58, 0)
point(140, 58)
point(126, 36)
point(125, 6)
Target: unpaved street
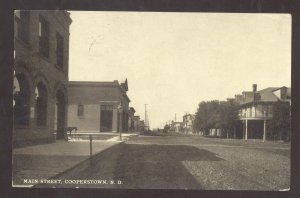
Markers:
point(187, 162)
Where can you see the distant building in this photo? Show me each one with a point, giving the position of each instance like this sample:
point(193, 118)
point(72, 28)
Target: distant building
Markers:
point(176, 127)
point(131, 119)
point(142, 126)
point(256, 108)
point(188, 121)
point(136, 120)
point(98, 106)
point(41, 67)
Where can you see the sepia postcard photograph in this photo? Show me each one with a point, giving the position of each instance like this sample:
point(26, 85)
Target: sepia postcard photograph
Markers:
point(152, 100)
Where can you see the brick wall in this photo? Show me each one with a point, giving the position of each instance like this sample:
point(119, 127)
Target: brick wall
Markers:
point(37, 68)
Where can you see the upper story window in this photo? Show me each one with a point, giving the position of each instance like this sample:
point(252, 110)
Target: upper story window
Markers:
point(240, 112)
point(80, 110)
point(44, 37)
point(59, 50)
point(270, 109)
point(253, 111)
point(22, 28)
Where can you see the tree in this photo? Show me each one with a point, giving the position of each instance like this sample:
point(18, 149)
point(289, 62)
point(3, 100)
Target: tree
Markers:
point(166, 128)
point(229, 116)
point(280, 124)
point(216, 114)
point(206, 116)
point(201, 117)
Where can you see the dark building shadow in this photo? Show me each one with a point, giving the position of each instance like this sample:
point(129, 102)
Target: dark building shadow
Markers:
point(159, 166)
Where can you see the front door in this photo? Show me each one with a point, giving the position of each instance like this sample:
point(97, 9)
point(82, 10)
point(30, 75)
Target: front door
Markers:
point(106, 121)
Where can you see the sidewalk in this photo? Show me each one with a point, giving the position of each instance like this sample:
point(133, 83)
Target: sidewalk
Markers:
point(45, 161)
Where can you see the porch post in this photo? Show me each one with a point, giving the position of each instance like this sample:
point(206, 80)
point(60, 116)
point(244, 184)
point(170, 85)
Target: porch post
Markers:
point(246, 135)
point(265, 131)
point(115, 119)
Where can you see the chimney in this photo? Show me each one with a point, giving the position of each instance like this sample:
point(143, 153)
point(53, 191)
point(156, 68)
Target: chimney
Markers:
point(255, 94)
point(254, 86)
point(283, 93)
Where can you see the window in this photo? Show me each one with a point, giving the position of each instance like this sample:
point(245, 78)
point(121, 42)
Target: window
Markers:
point(22, 22)
point(240, 113)
point(253, 112)
point(80, 110)
point(44, 37)
point(266, 110)
point(270, 109)
point(21, 101)
point(59, 50)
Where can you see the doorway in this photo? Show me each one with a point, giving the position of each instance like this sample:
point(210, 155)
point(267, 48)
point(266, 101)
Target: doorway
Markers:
point(106, 121)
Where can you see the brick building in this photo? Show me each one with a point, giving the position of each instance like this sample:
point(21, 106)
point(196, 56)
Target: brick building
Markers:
point(41, 44)
point(98, 106)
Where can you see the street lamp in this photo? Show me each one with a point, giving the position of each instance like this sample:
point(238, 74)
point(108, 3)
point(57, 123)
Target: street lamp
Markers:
point(120, 110)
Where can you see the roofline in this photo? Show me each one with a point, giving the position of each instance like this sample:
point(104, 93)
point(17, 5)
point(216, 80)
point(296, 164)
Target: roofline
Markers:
point(281, 88)
point(114, 83)
point(93, 83)
point(126, 97)
point(260, 102)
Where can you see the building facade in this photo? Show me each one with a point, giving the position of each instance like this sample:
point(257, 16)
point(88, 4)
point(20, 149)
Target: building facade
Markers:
point(98, 106)
point(188, 121)
point(142, 126)
point(41, 66)
point(136, 123)
point(256, 109)
point(176, 127)
point(131, 119)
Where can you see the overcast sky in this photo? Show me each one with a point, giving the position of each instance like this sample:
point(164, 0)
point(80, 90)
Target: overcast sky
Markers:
point(173, 61)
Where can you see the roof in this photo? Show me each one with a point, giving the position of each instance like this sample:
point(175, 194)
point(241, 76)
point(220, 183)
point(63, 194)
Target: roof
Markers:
point(86, 92)
point(264, 95)
point(247, 96)
point(132, 109)
point(93, 83)
point(176, 122)
point(267, 94)
point(124, 84)
point(188, 115)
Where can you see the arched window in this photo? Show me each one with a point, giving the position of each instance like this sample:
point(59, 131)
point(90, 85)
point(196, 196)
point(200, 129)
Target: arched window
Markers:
point(21, 94)
point(41, 104)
